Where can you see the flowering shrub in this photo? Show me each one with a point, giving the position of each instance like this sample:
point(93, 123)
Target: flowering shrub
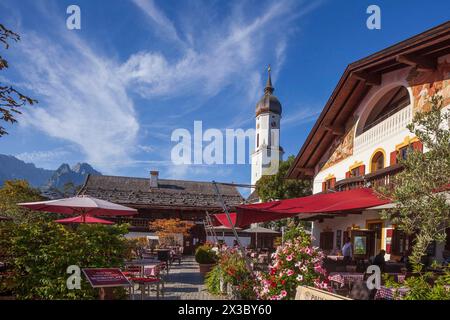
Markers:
point(294, 263)
point(232, 269)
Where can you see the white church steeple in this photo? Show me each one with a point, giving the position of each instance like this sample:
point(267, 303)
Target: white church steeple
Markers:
point(268, 151)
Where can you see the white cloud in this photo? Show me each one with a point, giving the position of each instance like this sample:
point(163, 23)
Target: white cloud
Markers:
point(42, 156)
point(82, 99)
point(231, 54)
point(159, 18)
point(301, 116)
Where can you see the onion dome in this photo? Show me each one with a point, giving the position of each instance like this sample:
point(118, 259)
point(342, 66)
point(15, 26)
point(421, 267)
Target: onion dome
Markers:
point(268, 102)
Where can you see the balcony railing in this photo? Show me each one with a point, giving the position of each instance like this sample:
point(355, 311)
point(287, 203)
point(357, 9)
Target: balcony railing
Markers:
point(383, 177)
point(388, 127)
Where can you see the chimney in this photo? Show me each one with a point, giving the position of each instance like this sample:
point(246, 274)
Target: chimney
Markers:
point(154, 179)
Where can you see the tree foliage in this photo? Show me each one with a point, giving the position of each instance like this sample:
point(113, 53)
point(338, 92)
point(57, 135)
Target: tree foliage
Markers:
point(17, 191)
point(11, 100)
point(167, 228)
point(40, 252)
point(420, 208)
point(277, 187)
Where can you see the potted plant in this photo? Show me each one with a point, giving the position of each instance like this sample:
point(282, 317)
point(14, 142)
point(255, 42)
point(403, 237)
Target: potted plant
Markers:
point(206, 258)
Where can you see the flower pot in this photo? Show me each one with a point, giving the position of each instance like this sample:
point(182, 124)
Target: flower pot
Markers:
point(205, 268)
point(234, 293)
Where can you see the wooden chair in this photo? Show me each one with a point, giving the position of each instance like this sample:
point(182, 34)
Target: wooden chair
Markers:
point(145, 282)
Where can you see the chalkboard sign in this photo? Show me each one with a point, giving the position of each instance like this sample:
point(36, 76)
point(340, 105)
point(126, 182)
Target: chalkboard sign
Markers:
point(106, 277)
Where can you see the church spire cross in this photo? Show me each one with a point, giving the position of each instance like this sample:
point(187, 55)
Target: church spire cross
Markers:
point(269, 88)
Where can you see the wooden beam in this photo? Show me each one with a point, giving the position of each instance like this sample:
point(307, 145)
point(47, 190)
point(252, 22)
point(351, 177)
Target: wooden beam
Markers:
point(335, 130)
point(307, 171)
point(371, 79)
point(420, 63)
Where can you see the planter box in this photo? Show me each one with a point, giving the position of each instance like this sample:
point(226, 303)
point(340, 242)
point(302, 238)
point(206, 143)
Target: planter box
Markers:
point(205, 268)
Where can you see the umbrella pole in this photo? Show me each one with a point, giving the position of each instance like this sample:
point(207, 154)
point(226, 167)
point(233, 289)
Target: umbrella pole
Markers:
point(224, 206)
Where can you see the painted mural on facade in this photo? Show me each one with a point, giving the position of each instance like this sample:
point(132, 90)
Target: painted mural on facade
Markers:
point(341, 149)
point(425, 84)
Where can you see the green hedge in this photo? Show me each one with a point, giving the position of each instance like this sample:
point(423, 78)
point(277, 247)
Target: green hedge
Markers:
point(39, 254)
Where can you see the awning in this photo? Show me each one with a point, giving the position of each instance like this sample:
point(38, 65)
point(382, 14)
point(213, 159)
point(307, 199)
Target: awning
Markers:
point(323, 203)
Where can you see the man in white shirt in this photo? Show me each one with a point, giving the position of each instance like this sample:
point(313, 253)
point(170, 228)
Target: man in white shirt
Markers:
point(347, 251)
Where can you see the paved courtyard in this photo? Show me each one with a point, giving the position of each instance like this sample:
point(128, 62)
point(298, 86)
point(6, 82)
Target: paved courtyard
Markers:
point(184, 282)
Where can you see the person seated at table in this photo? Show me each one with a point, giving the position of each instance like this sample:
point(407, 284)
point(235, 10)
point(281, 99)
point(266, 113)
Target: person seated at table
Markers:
point(347, 250)
point(379, 260)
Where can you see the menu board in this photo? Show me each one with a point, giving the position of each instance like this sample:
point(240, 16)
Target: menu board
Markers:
point(106, 277)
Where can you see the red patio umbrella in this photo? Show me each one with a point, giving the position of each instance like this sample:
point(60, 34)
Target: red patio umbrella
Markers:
point(83, 219)
point(81, 205)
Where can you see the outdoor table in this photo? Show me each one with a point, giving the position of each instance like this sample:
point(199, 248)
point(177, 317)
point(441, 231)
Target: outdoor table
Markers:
point(336, 258)
point(345, 278)
point(385, 293)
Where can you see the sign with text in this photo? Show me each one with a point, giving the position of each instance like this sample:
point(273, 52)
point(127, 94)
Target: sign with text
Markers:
point(310, 293)
point(106, 277)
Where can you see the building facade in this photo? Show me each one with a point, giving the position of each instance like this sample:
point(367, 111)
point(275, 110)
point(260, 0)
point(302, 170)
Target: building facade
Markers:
point(361, 133)
point(156, 198)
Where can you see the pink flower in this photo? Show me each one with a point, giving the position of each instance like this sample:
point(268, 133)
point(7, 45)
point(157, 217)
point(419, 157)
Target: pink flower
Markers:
point(290, 272)
point(283, 293)
point(289, 257)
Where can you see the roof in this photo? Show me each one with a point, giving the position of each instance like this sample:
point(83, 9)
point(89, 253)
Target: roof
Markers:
point(170, 194)
point(420, 51)
point(253, 197)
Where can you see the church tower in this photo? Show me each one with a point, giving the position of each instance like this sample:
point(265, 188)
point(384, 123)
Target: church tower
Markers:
point(268, 152)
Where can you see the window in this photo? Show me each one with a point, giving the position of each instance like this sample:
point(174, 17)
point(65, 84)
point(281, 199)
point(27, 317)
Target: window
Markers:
point(354, 172)
point(326, 240)
point(328, 184)
point(377, 162)
point(401, 242)
point(403, 152)
point(257, 140)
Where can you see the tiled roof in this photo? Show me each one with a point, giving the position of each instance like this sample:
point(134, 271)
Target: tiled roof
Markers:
point(169, 193)
point(253, 197)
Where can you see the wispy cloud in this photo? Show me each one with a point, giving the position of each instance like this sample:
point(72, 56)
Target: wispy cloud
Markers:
point(42, 156)
point(301, 116)
point(157, 16)
point(82, 98)
point(231, 54)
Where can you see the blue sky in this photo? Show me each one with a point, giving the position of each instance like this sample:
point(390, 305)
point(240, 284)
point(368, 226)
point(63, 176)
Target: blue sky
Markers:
point(112, 93)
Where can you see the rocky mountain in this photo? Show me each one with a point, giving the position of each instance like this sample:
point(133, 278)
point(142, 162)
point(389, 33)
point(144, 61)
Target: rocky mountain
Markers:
point(66, 174)
point(13, 168)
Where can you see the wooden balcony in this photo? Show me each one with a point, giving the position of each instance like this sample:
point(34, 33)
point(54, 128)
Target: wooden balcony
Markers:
point(381, 177)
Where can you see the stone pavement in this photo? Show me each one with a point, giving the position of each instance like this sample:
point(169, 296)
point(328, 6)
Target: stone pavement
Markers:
point(184, 282)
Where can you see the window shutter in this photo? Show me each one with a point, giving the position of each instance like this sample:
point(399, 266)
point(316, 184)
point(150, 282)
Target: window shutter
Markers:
point(393, 157)
point(347, 174)
point(324, 186)
point(417, 146)
point(362, 170)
